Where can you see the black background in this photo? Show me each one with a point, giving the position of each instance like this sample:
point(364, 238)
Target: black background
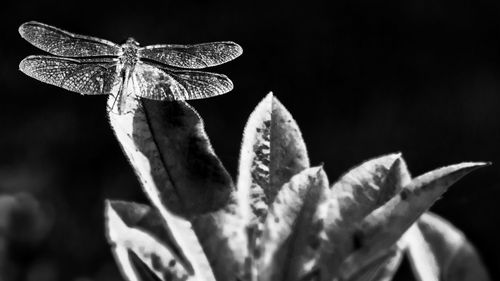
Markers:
point(362, 78)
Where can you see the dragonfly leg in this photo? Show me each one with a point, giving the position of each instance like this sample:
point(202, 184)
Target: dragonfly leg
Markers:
point(116, 99)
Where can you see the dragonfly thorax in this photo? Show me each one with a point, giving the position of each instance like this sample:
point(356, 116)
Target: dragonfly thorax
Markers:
point(129, 52)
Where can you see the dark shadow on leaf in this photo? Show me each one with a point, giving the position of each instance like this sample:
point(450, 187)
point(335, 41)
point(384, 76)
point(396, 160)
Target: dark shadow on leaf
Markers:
point(142, 269)
point(197, 176)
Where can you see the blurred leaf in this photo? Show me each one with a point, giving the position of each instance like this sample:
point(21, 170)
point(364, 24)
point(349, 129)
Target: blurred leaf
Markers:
point(384, 226)
point(423, 261)
point(25, 219)
point(275, 243)
point(125, 235)
point(451, 256)
point(272, 151)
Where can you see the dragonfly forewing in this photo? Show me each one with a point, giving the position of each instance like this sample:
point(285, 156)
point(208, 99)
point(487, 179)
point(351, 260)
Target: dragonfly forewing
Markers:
point(161, 83)
point(63, 43)
point(192, 56)
point(89, 76)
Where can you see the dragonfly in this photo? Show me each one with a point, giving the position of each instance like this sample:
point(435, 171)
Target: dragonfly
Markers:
point(94, 66)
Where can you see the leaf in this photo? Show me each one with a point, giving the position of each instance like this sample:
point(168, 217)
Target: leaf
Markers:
point(223, 237)
point(142, 270)
point(356, 194)
point(454, 256)
point(272, 151)
point(384, 226)
point(422, 260)
point(397, 177)
point(359, 190)
point(129, 230)
point(381, 269)
point(188, 240)
point(387, 271)
point(146, 218)
point(170, 152)
point(274, 246)
point(309, 233)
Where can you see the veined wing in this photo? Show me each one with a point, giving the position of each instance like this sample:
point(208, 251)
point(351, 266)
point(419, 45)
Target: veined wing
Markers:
point(161, 83)
point(63, 43)
point(90, 76)
point(192, 56)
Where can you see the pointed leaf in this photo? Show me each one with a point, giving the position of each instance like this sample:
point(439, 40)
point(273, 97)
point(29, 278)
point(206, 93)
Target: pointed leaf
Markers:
point(397, 177)
point(272, 152)
point(166, 143)
point(355, 195)
point(273, 244)
point(358, 191)
point(126, 237)
point(383, 227)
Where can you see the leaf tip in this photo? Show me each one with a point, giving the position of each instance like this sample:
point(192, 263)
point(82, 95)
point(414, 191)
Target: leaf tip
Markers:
point(317, 169)
point(108, 205)
point(474, 165)
point(486, 163)
point(319, 173)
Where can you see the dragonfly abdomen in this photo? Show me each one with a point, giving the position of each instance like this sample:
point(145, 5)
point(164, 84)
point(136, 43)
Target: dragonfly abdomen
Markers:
point(124, 91)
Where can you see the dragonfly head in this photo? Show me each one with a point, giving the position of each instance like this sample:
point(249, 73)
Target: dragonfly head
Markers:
point(131, 41)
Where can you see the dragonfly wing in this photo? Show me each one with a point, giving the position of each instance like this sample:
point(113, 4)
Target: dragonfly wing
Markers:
point(63, 43)
point(161, 83)
point(192, 56)
point(91, 76)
